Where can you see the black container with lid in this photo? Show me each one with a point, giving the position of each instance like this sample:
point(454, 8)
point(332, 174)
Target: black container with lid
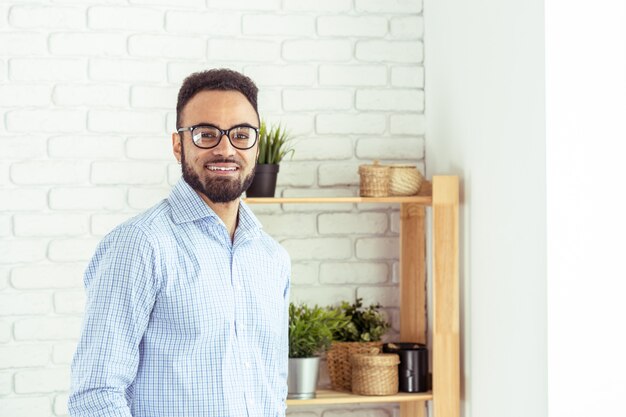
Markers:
point(413, 368)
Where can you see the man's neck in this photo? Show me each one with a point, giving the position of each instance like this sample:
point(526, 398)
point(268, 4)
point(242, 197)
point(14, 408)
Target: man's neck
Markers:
point(228, 212)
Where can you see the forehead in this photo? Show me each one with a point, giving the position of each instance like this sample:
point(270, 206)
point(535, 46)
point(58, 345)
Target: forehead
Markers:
point(221, 108)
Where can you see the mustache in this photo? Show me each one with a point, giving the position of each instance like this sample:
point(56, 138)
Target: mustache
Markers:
point(223, 160)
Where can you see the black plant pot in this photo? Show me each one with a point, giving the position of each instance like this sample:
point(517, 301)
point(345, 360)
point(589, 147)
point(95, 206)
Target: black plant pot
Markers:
point(264, 182)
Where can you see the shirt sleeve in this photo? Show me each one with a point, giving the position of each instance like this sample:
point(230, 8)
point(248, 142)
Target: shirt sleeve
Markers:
point(284, 341)
point(121, 287)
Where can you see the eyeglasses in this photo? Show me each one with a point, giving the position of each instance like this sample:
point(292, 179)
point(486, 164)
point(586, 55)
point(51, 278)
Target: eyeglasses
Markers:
point(207, 136)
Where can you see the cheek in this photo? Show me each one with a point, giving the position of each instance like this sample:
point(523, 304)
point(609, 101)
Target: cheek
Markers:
point(251, 158)
point(195, 159)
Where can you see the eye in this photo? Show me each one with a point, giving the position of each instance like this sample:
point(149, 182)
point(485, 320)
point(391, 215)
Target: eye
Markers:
point(241, 135)
point(205, 134)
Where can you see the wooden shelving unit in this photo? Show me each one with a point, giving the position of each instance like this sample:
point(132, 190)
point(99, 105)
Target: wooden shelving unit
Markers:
point(424, 200)
point(442, 196)
point(329, 397)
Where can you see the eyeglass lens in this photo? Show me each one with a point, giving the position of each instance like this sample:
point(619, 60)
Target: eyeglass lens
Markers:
point(241, 137)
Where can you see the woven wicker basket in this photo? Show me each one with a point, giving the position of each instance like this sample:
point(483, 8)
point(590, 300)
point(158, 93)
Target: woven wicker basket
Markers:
point(404, 180)
point(375, 374)
point(374, 180)
point(339, 365)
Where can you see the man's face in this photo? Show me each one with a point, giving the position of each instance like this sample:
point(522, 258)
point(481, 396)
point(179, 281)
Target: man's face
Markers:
point(224, 172)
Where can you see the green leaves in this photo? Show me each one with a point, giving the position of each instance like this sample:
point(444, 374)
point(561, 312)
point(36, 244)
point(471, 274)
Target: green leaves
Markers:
point(274, 144)
point(365, 325)
point(311, 329)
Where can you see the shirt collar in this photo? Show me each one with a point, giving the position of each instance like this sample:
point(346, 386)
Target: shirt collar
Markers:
point(247, 220)
point(187, 206)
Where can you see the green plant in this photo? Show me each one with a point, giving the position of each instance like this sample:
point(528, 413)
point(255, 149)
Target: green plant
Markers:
point(365, 324)
point(311, 329)
point(274, 144)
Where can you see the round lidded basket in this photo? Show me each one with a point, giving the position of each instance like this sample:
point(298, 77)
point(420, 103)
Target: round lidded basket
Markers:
point(404, 180)
point(375, 374)
point(374, 180)
point(339, 362)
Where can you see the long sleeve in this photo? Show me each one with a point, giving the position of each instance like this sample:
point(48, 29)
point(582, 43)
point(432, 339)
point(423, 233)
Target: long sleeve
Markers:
point(284, 336)
point(121, 286)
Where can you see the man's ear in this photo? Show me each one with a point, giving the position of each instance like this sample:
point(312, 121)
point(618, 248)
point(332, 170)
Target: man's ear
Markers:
point(177, 146)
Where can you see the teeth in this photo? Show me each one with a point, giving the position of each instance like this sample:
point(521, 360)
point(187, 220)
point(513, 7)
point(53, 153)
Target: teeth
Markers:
point(212, 168)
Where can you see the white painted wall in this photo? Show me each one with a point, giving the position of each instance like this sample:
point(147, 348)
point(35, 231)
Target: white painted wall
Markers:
point(485, 122)
point(586, 145)
point(87, 98)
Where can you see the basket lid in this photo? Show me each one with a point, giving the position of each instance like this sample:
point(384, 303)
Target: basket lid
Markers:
point(405, 166)
point(383, 359)
point(374, 167)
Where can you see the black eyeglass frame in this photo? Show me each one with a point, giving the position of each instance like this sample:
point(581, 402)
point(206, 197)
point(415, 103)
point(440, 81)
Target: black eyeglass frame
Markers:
point(222, 133)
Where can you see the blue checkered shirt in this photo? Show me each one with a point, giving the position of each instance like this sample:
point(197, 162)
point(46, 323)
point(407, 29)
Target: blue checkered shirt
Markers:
point(181, 321)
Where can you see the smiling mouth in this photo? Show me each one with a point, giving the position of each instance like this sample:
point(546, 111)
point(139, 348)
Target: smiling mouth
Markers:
point(221, 168)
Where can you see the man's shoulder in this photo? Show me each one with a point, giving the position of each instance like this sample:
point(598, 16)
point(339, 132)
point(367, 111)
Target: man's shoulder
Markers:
point(273, 246)
point(151, 222)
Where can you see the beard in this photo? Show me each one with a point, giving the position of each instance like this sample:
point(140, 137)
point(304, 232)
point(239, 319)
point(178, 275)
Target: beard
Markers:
point(218, 190)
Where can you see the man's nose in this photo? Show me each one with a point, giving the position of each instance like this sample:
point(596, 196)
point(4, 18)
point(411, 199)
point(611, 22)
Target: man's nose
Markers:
point(224, 147)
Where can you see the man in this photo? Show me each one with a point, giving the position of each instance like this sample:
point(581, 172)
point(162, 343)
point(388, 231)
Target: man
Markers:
point(187, 303)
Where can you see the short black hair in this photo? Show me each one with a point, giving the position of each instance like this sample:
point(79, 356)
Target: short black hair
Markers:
point(215, 79)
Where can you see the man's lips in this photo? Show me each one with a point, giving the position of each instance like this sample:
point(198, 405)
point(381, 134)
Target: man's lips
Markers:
point(222, 167)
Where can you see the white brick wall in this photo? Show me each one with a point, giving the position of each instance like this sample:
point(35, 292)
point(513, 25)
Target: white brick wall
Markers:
point(87, 104)
point(46, 275)
point(24, 95)
point(318, 5)
point(271, 24)
point(124, 18)
point(126, 70)
point(365, 26)
point(27, 303)
point(26, 406)
point(45, 120)
point(69, 250)
point(91, 44)
point(47, 69)
point(35, 16)
point(388, 51)
point(90, 95)
point(347, 75)
point(42, 381)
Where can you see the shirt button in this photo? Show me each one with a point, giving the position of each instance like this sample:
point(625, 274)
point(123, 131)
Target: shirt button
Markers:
point(247, 365)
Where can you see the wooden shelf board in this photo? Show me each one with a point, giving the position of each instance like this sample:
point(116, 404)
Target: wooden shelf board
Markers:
point(423, 197)
point(425, 200)
point(328, 397)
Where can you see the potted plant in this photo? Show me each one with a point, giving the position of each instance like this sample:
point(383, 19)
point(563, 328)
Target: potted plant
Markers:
point(311, 332)
point(274, 145)
point(361, 334)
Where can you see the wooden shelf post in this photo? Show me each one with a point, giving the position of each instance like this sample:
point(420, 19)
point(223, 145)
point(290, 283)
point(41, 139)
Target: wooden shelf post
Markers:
point(412, 286)
point(446, 351)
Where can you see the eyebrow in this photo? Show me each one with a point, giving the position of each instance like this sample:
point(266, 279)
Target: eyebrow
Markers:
point(228, 128)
